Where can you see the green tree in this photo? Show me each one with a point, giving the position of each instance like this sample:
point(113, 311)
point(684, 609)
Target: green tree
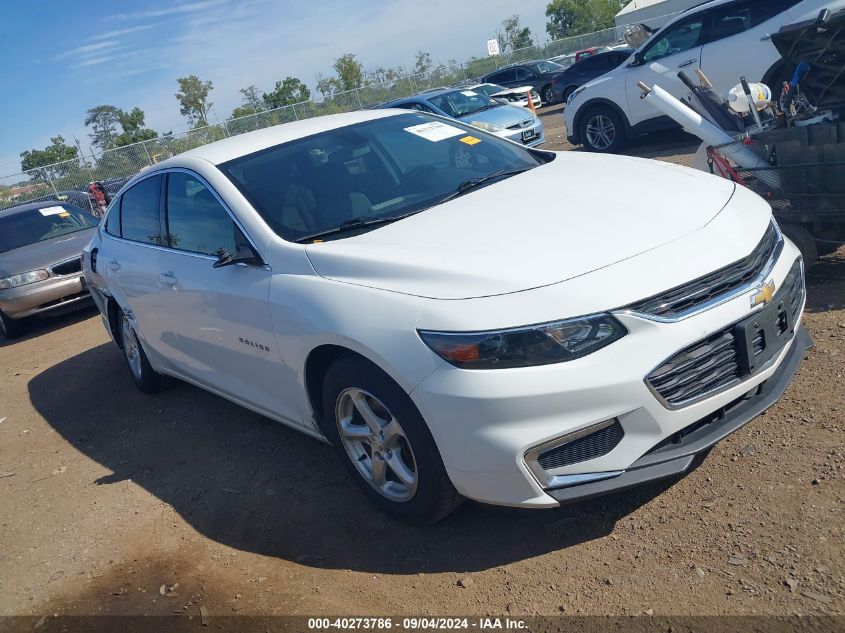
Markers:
point(350, 72)
point(132, 124)
point(574, 17)
point(242, 111)
point(50, 162)
point(422, 63)
point(327, 86)
point(193, 99)
point(286, 92)
point(513, 35)
point(103, 121)
point(251, 98)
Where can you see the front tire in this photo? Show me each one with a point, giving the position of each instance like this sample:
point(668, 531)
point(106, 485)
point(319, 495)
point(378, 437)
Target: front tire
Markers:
point(385, 443)
point(805, 242)
point(602, 130)
point(10, 328)
point(548, 95)
point(142, 373)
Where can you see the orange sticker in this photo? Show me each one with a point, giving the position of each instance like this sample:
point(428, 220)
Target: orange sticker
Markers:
point(469, 140)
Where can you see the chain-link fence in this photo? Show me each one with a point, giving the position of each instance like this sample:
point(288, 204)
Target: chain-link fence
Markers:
point(69, 179)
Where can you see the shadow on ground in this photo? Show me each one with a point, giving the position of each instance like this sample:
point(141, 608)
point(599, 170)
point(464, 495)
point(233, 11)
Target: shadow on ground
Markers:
point(824, 281)
point(255, 485)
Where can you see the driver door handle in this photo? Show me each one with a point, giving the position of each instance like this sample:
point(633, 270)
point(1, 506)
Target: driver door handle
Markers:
point(687, 63)
point(765, 37)
point(168, 279)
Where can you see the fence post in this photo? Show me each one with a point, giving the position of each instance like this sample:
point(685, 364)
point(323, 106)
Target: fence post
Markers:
point(50, 180)
point(295, 115)
point(147, 152)
point(358, 94)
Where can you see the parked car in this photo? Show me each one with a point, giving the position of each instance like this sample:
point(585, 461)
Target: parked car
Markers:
point(40, 269)
point(588, 52)
point(538, 74)
point(447, 330)
point(727, 39)
point(510, 122)
point(586, 70)
point(563, 60)
point(513, 96)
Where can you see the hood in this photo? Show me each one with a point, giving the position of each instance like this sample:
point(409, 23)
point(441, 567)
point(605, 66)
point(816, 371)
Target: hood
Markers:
point(521, 90)
point(503, 116)
point(44, 254)
point(574, 215)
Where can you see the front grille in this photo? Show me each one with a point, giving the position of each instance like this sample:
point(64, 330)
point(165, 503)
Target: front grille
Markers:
point(69, 267)
point(686, 298)
point(714, 364)
point(580, 450)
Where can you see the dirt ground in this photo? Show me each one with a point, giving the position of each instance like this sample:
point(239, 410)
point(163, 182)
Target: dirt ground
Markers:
point(113, 502)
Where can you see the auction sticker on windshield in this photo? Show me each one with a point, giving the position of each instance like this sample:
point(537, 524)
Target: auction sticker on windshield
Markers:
point(52, 211)
point(434, 131)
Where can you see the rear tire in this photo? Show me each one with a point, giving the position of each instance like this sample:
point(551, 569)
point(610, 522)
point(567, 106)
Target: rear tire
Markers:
point(805, 242)
point(548, 95)
point(385, 443)
point(601, 130)
point(142, 373)
point(10, 328)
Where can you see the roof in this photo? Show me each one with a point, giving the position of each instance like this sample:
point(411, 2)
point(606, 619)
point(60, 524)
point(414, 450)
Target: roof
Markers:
point(250, 142)
point(636, 5)
point(31, 206)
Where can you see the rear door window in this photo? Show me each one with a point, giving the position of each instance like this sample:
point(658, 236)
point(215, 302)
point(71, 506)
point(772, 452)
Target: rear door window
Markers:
point(140, 212)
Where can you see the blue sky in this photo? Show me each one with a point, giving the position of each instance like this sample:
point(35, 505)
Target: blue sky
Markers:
point(61, 58)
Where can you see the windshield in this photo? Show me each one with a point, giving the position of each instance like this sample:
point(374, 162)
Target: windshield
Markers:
point(489, 89)
point(37, 225)
point(548, 67)
point(382, 169)
point(461, 103)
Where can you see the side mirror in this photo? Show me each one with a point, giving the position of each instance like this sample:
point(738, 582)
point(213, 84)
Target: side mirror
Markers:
point(639, 59)
point(244, 255)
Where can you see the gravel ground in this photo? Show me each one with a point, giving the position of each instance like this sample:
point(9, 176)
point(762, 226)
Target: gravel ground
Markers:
point(113, 502)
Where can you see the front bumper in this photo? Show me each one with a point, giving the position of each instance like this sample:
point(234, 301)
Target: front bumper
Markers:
point(535, 135)
point(55, 294)
point(677, 457)
point(487, 423)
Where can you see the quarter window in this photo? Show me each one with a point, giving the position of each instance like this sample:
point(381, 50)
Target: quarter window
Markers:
point(140, 212)
point(196, 221)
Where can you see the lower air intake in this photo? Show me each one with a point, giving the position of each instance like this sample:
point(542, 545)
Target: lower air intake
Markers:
point(584, 448)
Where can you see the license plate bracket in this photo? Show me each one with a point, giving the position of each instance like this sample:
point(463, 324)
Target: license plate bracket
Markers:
point(529, 135)
point(763, 335)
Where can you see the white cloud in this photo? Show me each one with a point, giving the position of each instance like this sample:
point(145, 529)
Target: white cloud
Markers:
point(121, 32)
point(156, 13)
point(87, 49)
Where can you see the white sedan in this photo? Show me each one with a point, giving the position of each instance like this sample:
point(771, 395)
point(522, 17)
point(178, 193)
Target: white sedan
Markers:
point(396, 284)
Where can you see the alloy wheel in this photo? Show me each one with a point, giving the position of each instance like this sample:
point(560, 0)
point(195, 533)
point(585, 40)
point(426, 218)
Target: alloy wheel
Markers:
point(377, 445)
point(601, 132)
point(131, 347)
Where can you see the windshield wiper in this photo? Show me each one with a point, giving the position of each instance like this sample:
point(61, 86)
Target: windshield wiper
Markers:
point(474, 183)
point(351, 225)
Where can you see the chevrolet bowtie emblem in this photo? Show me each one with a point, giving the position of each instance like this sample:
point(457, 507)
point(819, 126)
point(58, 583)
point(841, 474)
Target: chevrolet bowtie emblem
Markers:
point(764, 294)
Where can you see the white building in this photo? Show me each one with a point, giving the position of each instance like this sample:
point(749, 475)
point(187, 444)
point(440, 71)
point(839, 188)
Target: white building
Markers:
point(655, 13)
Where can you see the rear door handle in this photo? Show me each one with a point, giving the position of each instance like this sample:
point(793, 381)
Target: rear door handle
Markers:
point(767, 36)
point(687, 63)
point(168, 279)
point(113, 266)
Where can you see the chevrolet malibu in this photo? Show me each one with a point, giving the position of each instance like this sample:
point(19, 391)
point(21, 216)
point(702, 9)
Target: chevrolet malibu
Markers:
point(392, 283)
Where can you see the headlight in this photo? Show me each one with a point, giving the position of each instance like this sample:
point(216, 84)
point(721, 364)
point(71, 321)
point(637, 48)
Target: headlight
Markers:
point(487, 127)
point(24, 278)
point(574, 94)
point(542, 344)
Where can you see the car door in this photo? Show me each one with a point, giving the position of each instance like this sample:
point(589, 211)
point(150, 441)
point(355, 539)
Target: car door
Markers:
point(524, 77)
point(505, 77)
point(739, 41)
point(676, 48)
point(216, 327)
point(128, 257)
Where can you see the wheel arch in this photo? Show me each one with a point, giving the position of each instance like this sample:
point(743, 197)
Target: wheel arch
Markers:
point(113, 316)
point(317, 364)
point(594, 103)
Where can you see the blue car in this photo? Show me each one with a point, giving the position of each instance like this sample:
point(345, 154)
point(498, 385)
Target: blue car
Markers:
point(511, 122)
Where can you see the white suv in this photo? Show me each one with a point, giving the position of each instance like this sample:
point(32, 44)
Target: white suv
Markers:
point(725, 38)
point(393, 283)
